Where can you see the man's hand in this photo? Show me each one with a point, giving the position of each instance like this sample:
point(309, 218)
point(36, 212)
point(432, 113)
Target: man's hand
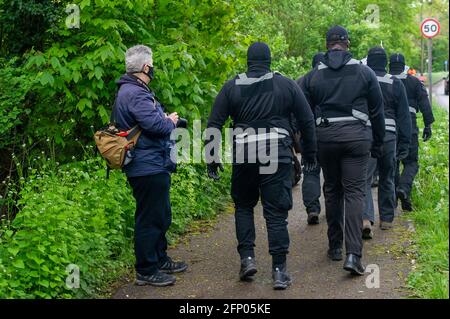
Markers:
point(173, 117)
point(212, 169)
point(376, 151)
point(402, 152)
point(427, 133)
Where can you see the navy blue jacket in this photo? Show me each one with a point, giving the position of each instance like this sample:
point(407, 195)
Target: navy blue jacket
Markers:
point(137, 105)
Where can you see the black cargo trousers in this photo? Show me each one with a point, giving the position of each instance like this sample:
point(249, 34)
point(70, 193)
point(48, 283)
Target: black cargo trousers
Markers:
point(247, 184)
point(404, 180)
point(386, 187)
point(311, 188)
point(344, 167)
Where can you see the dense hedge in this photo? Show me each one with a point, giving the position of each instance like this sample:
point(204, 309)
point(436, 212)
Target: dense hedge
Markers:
point(76, 216)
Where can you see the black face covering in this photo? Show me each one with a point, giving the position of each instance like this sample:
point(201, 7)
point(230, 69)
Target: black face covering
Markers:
point(397, 63)
point(150, 73)
point(259, 57)
point(377, 59)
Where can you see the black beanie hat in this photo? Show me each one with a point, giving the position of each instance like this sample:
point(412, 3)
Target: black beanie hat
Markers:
point(337, 34)
point(318, 57)
point(377, 59)
point(259, 52)
point(396, 63)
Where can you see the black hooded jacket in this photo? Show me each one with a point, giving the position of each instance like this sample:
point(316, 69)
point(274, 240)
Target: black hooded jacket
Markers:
point(266, 103)
point(417, 94)
point(395, 100)
point(335, 88)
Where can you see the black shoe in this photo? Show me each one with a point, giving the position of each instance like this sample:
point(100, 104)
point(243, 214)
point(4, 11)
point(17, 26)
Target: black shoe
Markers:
point(406, 201)
point(159, 279)
point(281, 279)
point(313, 218)
point(248, 268)
point(353, 265)
point(367, 232)
point(171, 267)
point(335, 254)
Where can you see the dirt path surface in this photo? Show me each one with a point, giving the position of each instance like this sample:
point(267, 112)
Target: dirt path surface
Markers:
point(214, 263)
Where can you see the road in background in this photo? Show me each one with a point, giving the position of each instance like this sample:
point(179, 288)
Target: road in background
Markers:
point(438, 95)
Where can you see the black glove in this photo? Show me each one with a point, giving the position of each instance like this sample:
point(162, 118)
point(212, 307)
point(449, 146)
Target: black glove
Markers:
point(427, 133)
point(402, 152)
point(376, 151)
point(309, 165)
point(212, 169)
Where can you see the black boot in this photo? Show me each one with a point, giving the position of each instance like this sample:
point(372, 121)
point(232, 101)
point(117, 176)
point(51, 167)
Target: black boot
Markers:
point(353, 265)
point(335, 254)
point(313, 218)
point(248, 268)
point(281, 279)
point(406, 201)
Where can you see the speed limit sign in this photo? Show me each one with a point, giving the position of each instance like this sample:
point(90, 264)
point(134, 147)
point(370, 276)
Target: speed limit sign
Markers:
point(430, 28)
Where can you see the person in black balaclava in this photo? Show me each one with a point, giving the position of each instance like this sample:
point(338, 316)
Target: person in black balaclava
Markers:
point(398, 132)
point(348, 106)
point(311, 179)
point(418, 102)
point(261, 103)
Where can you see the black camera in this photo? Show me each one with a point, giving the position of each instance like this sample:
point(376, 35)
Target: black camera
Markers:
point(182, 123)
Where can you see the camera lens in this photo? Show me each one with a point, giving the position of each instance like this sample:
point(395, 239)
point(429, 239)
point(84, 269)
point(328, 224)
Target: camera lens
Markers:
point(182, 123)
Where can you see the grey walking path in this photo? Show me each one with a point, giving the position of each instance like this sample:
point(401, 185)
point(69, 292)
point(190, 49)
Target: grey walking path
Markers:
point(214, 263)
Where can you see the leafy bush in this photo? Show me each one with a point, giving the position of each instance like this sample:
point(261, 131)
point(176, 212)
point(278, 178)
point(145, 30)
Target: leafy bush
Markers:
point(191, 41)
point(73, 215)
point(430, 197)
point(14, 87)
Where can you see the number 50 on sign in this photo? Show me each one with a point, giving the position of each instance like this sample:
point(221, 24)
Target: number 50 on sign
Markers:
point(430, 28)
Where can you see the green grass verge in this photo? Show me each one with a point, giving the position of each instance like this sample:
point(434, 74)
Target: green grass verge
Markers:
point(73, 215)
point(430, 276)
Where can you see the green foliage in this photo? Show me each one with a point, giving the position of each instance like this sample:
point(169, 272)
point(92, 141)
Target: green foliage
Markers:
point(13, 107)
point(24, 24)
point(76, 75)
point(73, 215)
point(57, 84)
point(430, 197)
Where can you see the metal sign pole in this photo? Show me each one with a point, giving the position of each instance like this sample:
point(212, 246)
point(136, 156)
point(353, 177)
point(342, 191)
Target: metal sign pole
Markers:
point(430, 69)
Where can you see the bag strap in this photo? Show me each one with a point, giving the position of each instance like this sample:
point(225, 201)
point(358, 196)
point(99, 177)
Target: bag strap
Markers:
point(112, 119)
point(134, 133)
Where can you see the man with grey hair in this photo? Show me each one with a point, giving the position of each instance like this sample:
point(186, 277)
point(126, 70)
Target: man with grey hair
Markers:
point(149, 170)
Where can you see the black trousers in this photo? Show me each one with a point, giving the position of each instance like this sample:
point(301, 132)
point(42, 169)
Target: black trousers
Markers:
point(405, 179)
point(276, 197)
point(152, 220)
point(344, 168)
point(386, 185)
point(311, 190)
